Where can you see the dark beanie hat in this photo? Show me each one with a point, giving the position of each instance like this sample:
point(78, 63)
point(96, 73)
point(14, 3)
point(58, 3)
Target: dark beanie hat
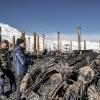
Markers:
point(19, 41)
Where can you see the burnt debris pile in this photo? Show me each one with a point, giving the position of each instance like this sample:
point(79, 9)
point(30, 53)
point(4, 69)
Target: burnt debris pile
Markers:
point(63, 76)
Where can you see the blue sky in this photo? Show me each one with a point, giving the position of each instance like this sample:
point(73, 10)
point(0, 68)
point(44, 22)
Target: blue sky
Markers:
point(50, 16)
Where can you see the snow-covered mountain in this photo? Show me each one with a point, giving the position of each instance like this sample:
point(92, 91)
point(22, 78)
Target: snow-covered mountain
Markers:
point(8, 32)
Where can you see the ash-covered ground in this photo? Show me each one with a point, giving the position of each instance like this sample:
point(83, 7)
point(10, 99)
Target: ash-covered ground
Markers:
point(62, 76)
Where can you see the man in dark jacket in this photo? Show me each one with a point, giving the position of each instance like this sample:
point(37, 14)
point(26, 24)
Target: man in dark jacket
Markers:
point(5, 67)
point(20, 63)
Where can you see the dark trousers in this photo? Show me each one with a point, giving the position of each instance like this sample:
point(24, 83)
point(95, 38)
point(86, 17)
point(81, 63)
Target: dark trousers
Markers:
point(11, 78)
point(18, 94)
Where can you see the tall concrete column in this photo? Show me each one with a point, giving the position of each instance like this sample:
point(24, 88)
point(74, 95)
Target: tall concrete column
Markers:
point(43, 41)
point(0, 36)
point(70, 46)
point(10, 46)
point(34, 38)
point(23, 37)
point(84, 44)
point(38, 44)
point(79, 37)
point(29, 44)
point(58, 40)
point(60, 45)
point(13, 42)
point(66, 47)
point(99, 46)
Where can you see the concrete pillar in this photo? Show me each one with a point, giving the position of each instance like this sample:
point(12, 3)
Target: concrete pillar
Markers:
point(60, 45)
point(13, 42)
point(0, 36)
point(70, 46)
point(23, 37)
point(66, 47)
point(38, 44)
point(11, 46)
point(43, 41)
point(84, 44)
point(58, 40)
point(28, 44)
point(34, 38)
point(54, 46)
point(79, 37)
point(99, 46)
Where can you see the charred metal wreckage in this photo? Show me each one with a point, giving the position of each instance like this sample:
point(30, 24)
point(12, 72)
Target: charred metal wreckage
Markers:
point(62, 76)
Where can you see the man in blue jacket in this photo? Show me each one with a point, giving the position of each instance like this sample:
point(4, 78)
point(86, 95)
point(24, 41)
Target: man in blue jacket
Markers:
point(20, 62)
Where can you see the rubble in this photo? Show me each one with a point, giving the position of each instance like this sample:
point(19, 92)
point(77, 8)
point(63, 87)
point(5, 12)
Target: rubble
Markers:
point(63, 76)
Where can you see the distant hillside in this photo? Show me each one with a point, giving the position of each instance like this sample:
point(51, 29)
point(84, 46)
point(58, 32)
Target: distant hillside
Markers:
point(8, 32)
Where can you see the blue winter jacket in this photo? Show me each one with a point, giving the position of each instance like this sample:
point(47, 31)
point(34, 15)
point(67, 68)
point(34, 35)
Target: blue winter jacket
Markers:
point(20, 61)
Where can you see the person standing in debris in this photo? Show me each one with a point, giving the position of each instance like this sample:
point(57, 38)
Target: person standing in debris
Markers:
point(21, 63)
point(5, 67)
